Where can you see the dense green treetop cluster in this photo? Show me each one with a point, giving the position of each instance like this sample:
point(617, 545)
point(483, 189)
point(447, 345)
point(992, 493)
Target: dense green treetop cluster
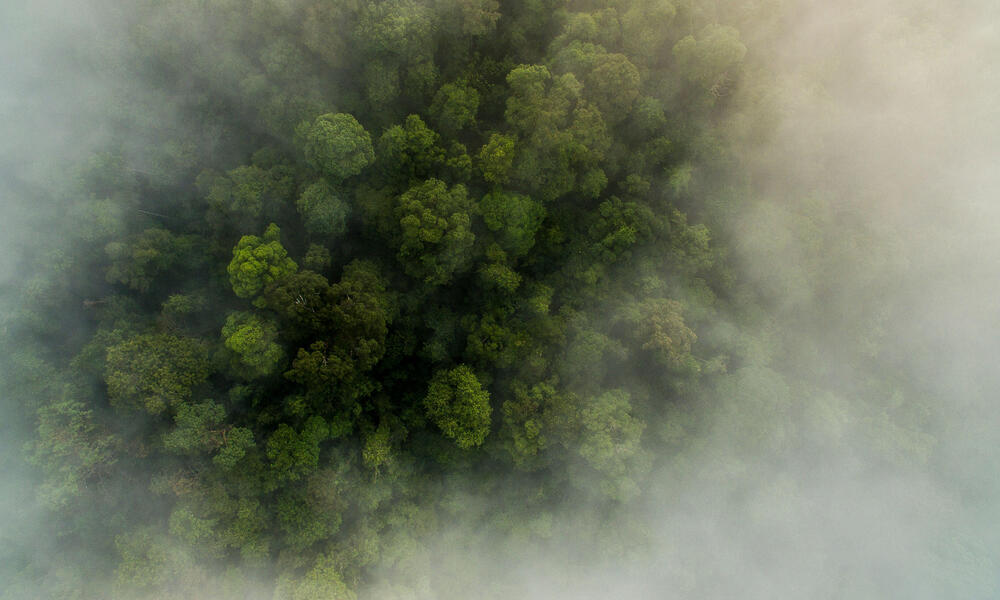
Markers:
point(401, 251)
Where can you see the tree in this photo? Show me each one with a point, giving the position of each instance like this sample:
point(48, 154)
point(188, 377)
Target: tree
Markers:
point(301, 300)
point(377, 449)
point(609, 80)
point(409, 151)
point(644, 25)
point(154, 371)
point(295, 454)
point(304, 518)
point(254, 341)
point(322, 582)
point(352, 315)
point(324, 212)
point(259, 261)
point(335, 144)
point(561, 136)
point(150, 561)
point(496, 158)
point(240, 191)
point(515, 218)
point(197, 428)
point(496, 342)
point(537, 101)
point(657, 325)
point(100, 220)
point(362, 309)
point(399, 29)
point(454, 107)
point(71, 448)
point(436, 224)
point(613, 85)
point(536, 418)
point(146, 258)
point(471, 17)
point(241, 196)
point(236, 442)
point(708, 59)
point(610, 442)
point(459, 406)
point(180, 308)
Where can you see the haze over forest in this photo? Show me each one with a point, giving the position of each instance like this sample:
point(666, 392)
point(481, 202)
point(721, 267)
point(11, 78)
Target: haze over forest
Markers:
point(452, 299)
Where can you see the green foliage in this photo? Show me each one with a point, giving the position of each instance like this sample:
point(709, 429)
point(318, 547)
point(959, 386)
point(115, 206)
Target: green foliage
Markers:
point(471, 17)
point(182, 305)
point(494, 340)
point(498, 276)
point(515, 218)
point(324, 213)
point(144, 259)
point(377, 449)
point(259, 261)
point(305, 520)
point(535, 419)
point(197, 428)
point(72, 449)
point(322, 582)
point(458, 404)
point(436, 230)
point(295, 454)
point(613, 85)
point(242, 191)
point(154, 371)
point(537, 101)
point(609, 80)
point(642, 28)
point(562, 136)
point(454, 107)
point(709, 58)
point(496, 158)
point(149, 561)
point(542, 228)
point(317, 258)
point(610, 442)
point(236, 442)
point(409, 151)
point(254, 341)
point(100, 220)
point(658, 327)
point(335, 144)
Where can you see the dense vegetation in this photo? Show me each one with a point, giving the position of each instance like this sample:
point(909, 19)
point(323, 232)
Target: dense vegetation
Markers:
point(391, 265)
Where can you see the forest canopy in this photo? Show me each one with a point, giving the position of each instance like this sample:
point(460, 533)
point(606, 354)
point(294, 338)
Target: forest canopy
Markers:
point(399, 264)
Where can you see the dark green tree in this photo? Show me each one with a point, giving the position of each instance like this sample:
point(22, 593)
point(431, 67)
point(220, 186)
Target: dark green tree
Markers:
point(436, 230)
point(155, 371)
point(324, 212)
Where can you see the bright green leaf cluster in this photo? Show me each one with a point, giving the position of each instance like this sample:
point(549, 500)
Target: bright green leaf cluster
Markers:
point(257, 262)
point(254, 340)
point(458, 404)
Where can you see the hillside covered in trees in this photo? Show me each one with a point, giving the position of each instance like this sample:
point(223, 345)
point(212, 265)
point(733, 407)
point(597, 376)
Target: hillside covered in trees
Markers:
point(349, 275)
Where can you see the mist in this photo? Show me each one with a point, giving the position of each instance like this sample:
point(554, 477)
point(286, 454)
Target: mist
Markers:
point(855, 459)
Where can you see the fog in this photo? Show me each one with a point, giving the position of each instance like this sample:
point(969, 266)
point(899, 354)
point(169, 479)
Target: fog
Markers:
point(882, 117)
